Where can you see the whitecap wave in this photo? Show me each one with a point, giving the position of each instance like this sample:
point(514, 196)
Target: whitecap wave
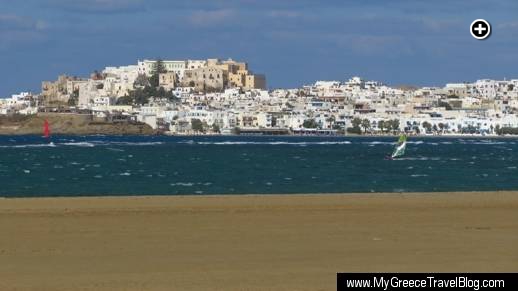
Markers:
point(79, 144)
point(36, 145)
point(188, 184)
point(483, 142)
point(378, 142)
point(272, 143)
point(418, 159)
point(125, 143)
point(418, 175)
point(144, 143)
point(115, 149)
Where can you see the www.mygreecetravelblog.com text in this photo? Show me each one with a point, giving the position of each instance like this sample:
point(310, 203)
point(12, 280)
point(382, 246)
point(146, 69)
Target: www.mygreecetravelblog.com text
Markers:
point(399, 281)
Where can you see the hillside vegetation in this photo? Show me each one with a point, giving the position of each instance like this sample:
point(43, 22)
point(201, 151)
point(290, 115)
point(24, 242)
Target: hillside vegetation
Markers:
point(67, 124)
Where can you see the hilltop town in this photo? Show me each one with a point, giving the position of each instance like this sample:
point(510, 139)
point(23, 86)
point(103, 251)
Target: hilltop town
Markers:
point(226, 97)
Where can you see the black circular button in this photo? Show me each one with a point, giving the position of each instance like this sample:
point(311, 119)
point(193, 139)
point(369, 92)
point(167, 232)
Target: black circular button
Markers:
point(480, 29)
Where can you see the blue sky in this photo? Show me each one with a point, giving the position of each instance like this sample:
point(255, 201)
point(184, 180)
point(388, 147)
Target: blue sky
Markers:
point(292, 42)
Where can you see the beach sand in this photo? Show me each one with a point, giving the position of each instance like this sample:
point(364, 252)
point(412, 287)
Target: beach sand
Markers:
point(261, 242)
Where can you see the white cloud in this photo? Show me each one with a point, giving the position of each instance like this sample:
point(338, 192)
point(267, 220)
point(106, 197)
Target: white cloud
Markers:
point(439, 25)
point(99, 6)
point(508, 25)
point(284, 14)
point(209, 17)
point(11, 22)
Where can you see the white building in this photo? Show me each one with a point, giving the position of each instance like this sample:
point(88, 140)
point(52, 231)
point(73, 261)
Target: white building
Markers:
point(22, 103)
point(120, 80)
point(146, 67)
point(90, 90)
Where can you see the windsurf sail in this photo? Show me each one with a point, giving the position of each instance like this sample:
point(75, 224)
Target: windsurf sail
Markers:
point(400, 147)
point(46, 129)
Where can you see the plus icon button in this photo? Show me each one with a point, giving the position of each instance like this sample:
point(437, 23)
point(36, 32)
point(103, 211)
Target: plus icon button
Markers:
point(480, 29)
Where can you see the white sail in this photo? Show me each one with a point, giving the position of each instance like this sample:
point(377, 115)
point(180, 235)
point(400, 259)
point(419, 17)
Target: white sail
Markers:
point(399, 151)
point(400, 147)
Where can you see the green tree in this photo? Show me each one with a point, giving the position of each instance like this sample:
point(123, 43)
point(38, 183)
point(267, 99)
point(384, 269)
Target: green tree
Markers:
point(158, 68)
point(470, 129)
point(366, 124)
point(71, 102)
point(125, 100)
point(441, 126)
point(381, 125)
point(215, 128)
point(331, 120)
point(509, 130)
point(310, 123)
point(161, 92)
point(74, 98)
point(394, 125)
point(355, 129)
point(427, 126)
point(170, 96)
point(498, 130)
point(139, 96)
point(356, 122)
point(197, 125)
point(141, 81)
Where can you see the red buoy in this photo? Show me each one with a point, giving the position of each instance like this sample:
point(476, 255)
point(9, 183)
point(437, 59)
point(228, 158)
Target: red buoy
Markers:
point(46, 129)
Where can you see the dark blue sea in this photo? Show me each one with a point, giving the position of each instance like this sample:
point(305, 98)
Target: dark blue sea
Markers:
point(162, 165)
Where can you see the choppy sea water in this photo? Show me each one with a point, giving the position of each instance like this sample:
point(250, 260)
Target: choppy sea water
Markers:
point(161, 165)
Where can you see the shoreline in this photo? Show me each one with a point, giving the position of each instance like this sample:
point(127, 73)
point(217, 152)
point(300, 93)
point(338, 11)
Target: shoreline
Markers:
point(256, 195)
point(272, 195)
point(452, 136)
point(252, 242)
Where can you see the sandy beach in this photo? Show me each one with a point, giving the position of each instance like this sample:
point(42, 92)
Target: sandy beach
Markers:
point(260, 242)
